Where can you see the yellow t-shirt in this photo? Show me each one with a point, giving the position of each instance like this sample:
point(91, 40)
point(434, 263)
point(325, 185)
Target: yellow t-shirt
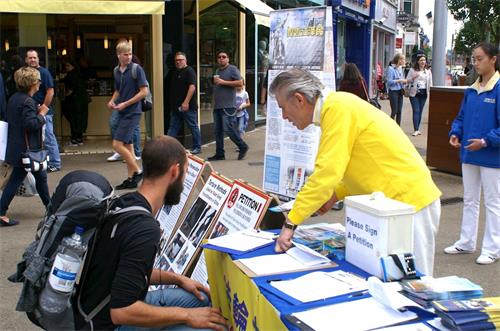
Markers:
point(362, 150)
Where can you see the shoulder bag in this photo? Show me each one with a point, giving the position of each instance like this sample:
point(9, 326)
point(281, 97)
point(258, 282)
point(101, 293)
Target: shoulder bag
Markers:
point(373, 101)
point(34, 160)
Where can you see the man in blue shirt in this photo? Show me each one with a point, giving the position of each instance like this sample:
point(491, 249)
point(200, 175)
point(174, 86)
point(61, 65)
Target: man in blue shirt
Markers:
point(129, 91)
point(44, 97)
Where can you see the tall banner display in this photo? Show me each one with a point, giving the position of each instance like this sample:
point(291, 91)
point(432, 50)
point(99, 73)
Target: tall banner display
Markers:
point(299, 38)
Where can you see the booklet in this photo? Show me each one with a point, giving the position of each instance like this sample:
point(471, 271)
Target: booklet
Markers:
point(241, 241)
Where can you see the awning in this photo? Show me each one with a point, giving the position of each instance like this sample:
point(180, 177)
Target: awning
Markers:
point(99, 7)
point(260, 10)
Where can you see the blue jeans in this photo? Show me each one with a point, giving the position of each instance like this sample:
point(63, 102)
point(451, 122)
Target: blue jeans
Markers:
point(225, 122)
point(170, 297)
point(51, 143)
point(396, 101)
point(191, 119)
point(136, 139)
point(417, 105)
point(16, 178)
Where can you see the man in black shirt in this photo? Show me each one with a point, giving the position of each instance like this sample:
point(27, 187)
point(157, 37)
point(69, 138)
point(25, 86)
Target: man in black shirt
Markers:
point(183, 107)
point(122, 265)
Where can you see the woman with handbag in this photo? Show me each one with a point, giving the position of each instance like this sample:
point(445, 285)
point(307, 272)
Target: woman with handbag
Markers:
point(395, 84)
point(26, 120)
point(420, 80)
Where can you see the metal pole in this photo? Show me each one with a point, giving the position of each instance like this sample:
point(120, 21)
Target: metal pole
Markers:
point(439, 42)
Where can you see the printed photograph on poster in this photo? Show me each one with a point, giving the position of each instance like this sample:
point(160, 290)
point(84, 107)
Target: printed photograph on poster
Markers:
point(244, 208)
point(297, 38)
point(182, 259)
point(198, 209)
point(175, 246)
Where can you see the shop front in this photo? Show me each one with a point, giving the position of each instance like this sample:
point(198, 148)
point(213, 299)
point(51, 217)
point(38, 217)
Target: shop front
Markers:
point(85, 33)
point(200, 29)
point(383, 41)
point(352, 35)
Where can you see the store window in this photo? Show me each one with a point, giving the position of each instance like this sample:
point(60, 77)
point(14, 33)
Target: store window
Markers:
point(407, 6)
point(219, 30)
point(89, 41)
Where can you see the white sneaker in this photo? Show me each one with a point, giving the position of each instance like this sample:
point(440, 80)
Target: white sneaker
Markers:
point(485, 259)
point(114, 157)
point(455, 250)
point(419, 133)
point(138, 158)
point(416, 133)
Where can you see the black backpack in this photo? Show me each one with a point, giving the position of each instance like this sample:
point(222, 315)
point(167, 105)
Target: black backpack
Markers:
point(82, 198)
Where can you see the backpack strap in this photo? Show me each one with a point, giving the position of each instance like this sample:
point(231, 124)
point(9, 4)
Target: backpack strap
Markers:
point(122, 215)
point(134, 70)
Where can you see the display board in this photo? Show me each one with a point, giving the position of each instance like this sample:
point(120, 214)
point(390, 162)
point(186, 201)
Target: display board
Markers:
point(300, 37)
point(169, 217)
point(184, 249)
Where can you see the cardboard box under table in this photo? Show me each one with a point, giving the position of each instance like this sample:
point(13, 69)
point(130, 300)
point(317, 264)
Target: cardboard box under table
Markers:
point(376, 226)
point(252, 303)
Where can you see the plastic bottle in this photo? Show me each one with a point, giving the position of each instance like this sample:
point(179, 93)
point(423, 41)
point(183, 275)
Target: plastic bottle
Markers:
point(54, 298)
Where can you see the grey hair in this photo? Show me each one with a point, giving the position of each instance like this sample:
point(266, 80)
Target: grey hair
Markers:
point(297, 81)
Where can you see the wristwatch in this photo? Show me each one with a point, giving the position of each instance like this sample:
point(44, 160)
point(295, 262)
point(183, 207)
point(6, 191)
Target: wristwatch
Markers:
point(290, 226)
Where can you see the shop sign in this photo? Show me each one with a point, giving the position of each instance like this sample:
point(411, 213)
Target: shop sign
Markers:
point(385, 14)
point(359, 6)
point(399, 43)
point(410, 38)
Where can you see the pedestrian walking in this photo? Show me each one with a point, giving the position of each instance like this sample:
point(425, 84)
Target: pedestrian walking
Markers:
point(395, 85)
point(419, 79)
point(44, 96)
point(126, 101)
point(476, 131)
point(227, 77)
point(26, 119)
point(242, 102)
point(181, 85)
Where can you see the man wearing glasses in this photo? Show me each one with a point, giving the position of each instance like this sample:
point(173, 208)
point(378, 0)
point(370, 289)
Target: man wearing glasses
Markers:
point(183, 106)
point(227, 77)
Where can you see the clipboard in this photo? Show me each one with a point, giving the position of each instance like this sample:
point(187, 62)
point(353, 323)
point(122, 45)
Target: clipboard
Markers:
point(252, 274)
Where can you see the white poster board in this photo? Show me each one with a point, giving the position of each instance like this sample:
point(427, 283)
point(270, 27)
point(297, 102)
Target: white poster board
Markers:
point(244, 209)
point(169, 215)
point(182, 250)
point(4, 129)
point(301, 37)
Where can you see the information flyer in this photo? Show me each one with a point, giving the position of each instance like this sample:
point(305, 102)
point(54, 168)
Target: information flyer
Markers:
point(301, 38)
point(183, 248)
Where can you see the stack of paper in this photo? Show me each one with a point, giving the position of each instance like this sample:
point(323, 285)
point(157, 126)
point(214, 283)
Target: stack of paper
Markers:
point(297, 258)
point(321, 285)
point(475, 314)
point(364, 314)
point(427, 289)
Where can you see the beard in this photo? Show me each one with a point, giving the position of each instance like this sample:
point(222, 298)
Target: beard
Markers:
point(174, 191)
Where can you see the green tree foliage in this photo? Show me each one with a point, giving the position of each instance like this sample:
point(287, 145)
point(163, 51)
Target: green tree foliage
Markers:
point(481, 22)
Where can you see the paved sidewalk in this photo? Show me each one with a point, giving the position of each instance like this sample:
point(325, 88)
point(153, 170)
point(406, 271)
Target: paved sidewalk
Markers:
point(29, 211)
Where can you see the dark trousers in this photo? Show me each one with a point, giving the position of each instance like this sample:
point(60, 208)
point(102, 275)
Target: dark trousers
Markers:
point(15, 180)
point(225, 122)
point(396, 101)
point(417, 105)
point(191, 119)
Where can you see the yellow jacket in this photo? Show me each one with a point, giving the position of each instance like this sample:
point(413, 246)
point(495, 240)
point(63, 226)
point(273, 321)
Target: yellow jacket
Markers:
point(362, 150)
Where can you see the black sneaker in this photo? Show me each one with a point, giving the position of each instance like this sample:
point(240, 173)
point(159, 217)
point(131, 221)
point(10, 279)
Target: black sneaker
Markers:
point(52, 168)
point(242, 153)
point(137, 177)
point(128, 183)
point(216, 158)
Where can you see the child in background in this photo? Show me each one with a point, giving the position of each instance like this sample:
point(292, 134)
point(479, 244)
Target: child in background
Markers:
point(242, 102)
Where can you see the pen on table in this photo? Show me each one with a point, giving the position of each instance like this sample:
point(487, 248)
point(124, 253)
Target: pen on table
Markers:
point(359, 294)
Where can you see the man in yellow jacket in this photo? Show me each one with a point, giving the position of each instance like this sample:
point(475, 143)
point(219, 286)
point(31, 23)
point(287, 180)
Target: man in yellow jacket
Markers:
point(361, 151)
